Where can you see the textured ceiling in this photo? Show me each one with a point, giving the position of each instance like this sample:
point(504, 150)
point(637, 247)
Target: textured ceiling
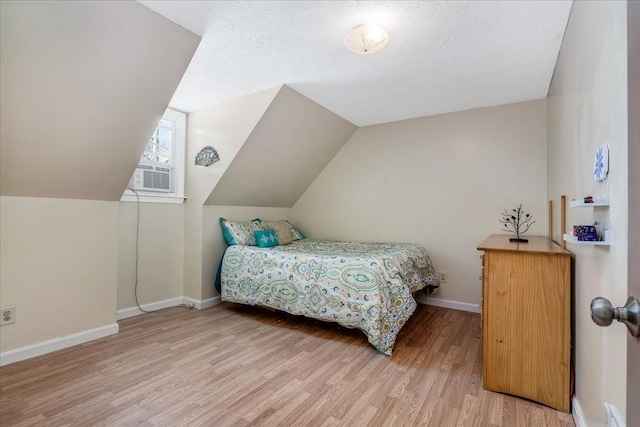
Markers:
point(442, 56)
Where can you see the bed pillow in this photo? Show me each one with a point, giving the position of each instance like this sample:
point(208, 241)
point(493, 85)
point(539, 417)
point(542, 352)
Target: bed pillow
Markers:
point(266, 238)
point(240, 233)
point(282, 229)
point(295, 234)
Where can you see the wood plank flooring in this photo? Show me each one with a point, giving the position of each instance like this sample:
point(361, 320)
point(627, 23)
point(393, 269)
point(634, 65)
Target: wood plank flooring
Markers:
point(232, 365)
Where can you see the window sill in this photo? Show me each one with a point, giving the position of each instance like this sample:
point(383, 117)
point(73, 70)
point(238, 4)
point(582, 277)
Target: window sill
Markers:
point(147, 197)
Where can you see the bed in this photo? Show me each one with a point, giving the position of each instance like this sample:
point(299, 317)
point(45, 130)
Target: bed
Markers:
point(358, 285)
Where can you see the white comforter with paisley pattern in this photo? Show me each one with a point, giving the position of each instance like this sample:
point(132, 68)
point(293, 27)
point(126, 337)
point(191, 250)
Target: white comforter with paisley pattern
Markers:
point(358, 285)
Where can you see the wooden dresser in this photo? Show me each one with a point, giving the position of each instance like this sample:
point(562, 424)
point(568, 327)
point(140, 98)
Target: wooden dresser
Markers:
point(526, 319)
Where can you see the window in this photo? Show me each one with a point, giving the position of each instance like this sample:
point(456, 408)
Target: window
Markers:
point(159, 177)
point(160, 146)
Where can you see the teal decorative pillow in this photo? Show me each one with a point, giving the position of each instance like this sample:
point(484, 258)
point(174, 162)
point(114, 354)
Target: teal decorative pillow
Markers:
point(266, 238)
point(295, 234)
point(240, 233)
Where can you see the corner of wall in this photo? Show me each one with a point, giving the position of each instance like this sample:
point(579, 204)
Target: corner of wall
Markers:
point(226, 127)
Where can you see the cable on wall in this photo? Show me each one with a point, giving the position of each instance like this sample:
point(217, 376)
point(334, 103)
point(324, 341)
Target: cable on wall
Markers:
point(135, 287)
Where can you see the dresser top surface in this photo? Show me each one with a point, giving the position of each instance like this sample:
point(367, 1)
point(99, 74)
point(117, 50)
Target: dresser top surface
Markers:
point(536, 244)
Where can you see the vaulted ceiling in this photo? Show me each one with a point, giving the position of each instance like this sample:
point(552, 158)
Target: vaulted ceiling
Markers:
point(85, 83)
point(83, 86)
point(287, 149)
point(442, 56)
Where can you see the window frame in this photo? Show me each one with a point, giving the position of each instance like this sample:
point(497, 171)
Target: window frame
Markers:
point(178, 149)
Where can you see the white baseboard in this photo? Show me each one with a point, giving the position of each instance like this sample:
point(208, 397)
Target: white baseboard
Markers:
point(23, 353)
point(576, 412)
point(455, 305)
point(125, 313)
point(614, 419)
point(38, 349)
point(210, 302)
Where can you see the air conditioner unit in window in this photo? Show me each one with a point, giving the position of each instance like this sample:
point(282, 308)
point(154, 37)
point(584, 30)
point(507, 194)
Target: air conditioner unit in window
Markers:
point(152, 178)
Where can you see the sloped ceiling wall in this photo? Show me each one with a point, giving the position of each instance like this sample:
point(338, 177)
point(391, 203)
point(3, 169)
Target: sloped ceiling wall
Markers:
point(291, 144)
point(83, 86)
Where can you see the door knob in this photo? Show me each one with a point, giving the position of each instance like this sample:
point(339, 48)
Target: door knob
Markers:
point(603, 313)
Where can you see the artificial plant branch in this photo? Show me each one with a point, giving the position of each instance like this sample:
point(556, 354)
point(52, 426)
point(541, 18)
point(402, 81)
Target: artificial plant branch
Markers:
point(517, 221)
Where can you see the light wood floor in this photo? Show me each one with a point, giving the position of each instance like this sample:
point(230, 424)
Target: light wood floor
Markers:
point(234, 366)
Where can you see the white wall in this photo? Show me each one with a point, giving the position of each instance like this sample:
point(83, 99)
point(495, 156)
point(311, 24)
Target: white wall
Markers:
point(160, 248)
point(83, 85)
point(439, 181)
point(587, 107)
point(59, 262)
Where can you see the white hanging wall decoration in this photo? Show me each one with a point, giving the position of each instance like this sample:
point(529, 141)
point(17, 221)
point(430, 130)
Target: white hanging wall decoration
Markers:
point(601, 163)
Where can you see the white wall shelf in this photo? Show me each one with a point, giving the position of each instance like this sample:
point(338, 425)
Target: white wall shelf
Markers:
point(575, 241)
point(582, 204)
point(601, 200)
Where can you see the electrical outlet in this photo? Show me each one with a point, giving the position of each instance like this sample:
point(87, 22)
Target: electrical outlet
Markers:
point(443, 277)
point(8, 315)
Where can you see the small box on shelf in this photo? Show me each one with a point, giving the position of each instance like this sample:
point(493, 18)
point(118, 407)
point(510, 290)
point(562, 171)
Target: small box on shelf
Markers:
point(585, 233)
point(601, 200)
point(606, 241)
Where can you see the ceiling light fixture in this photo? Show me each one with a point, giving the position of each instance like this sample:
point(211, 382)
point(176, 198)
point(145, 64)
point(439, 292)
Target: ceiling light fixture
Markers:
point(365, 39)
